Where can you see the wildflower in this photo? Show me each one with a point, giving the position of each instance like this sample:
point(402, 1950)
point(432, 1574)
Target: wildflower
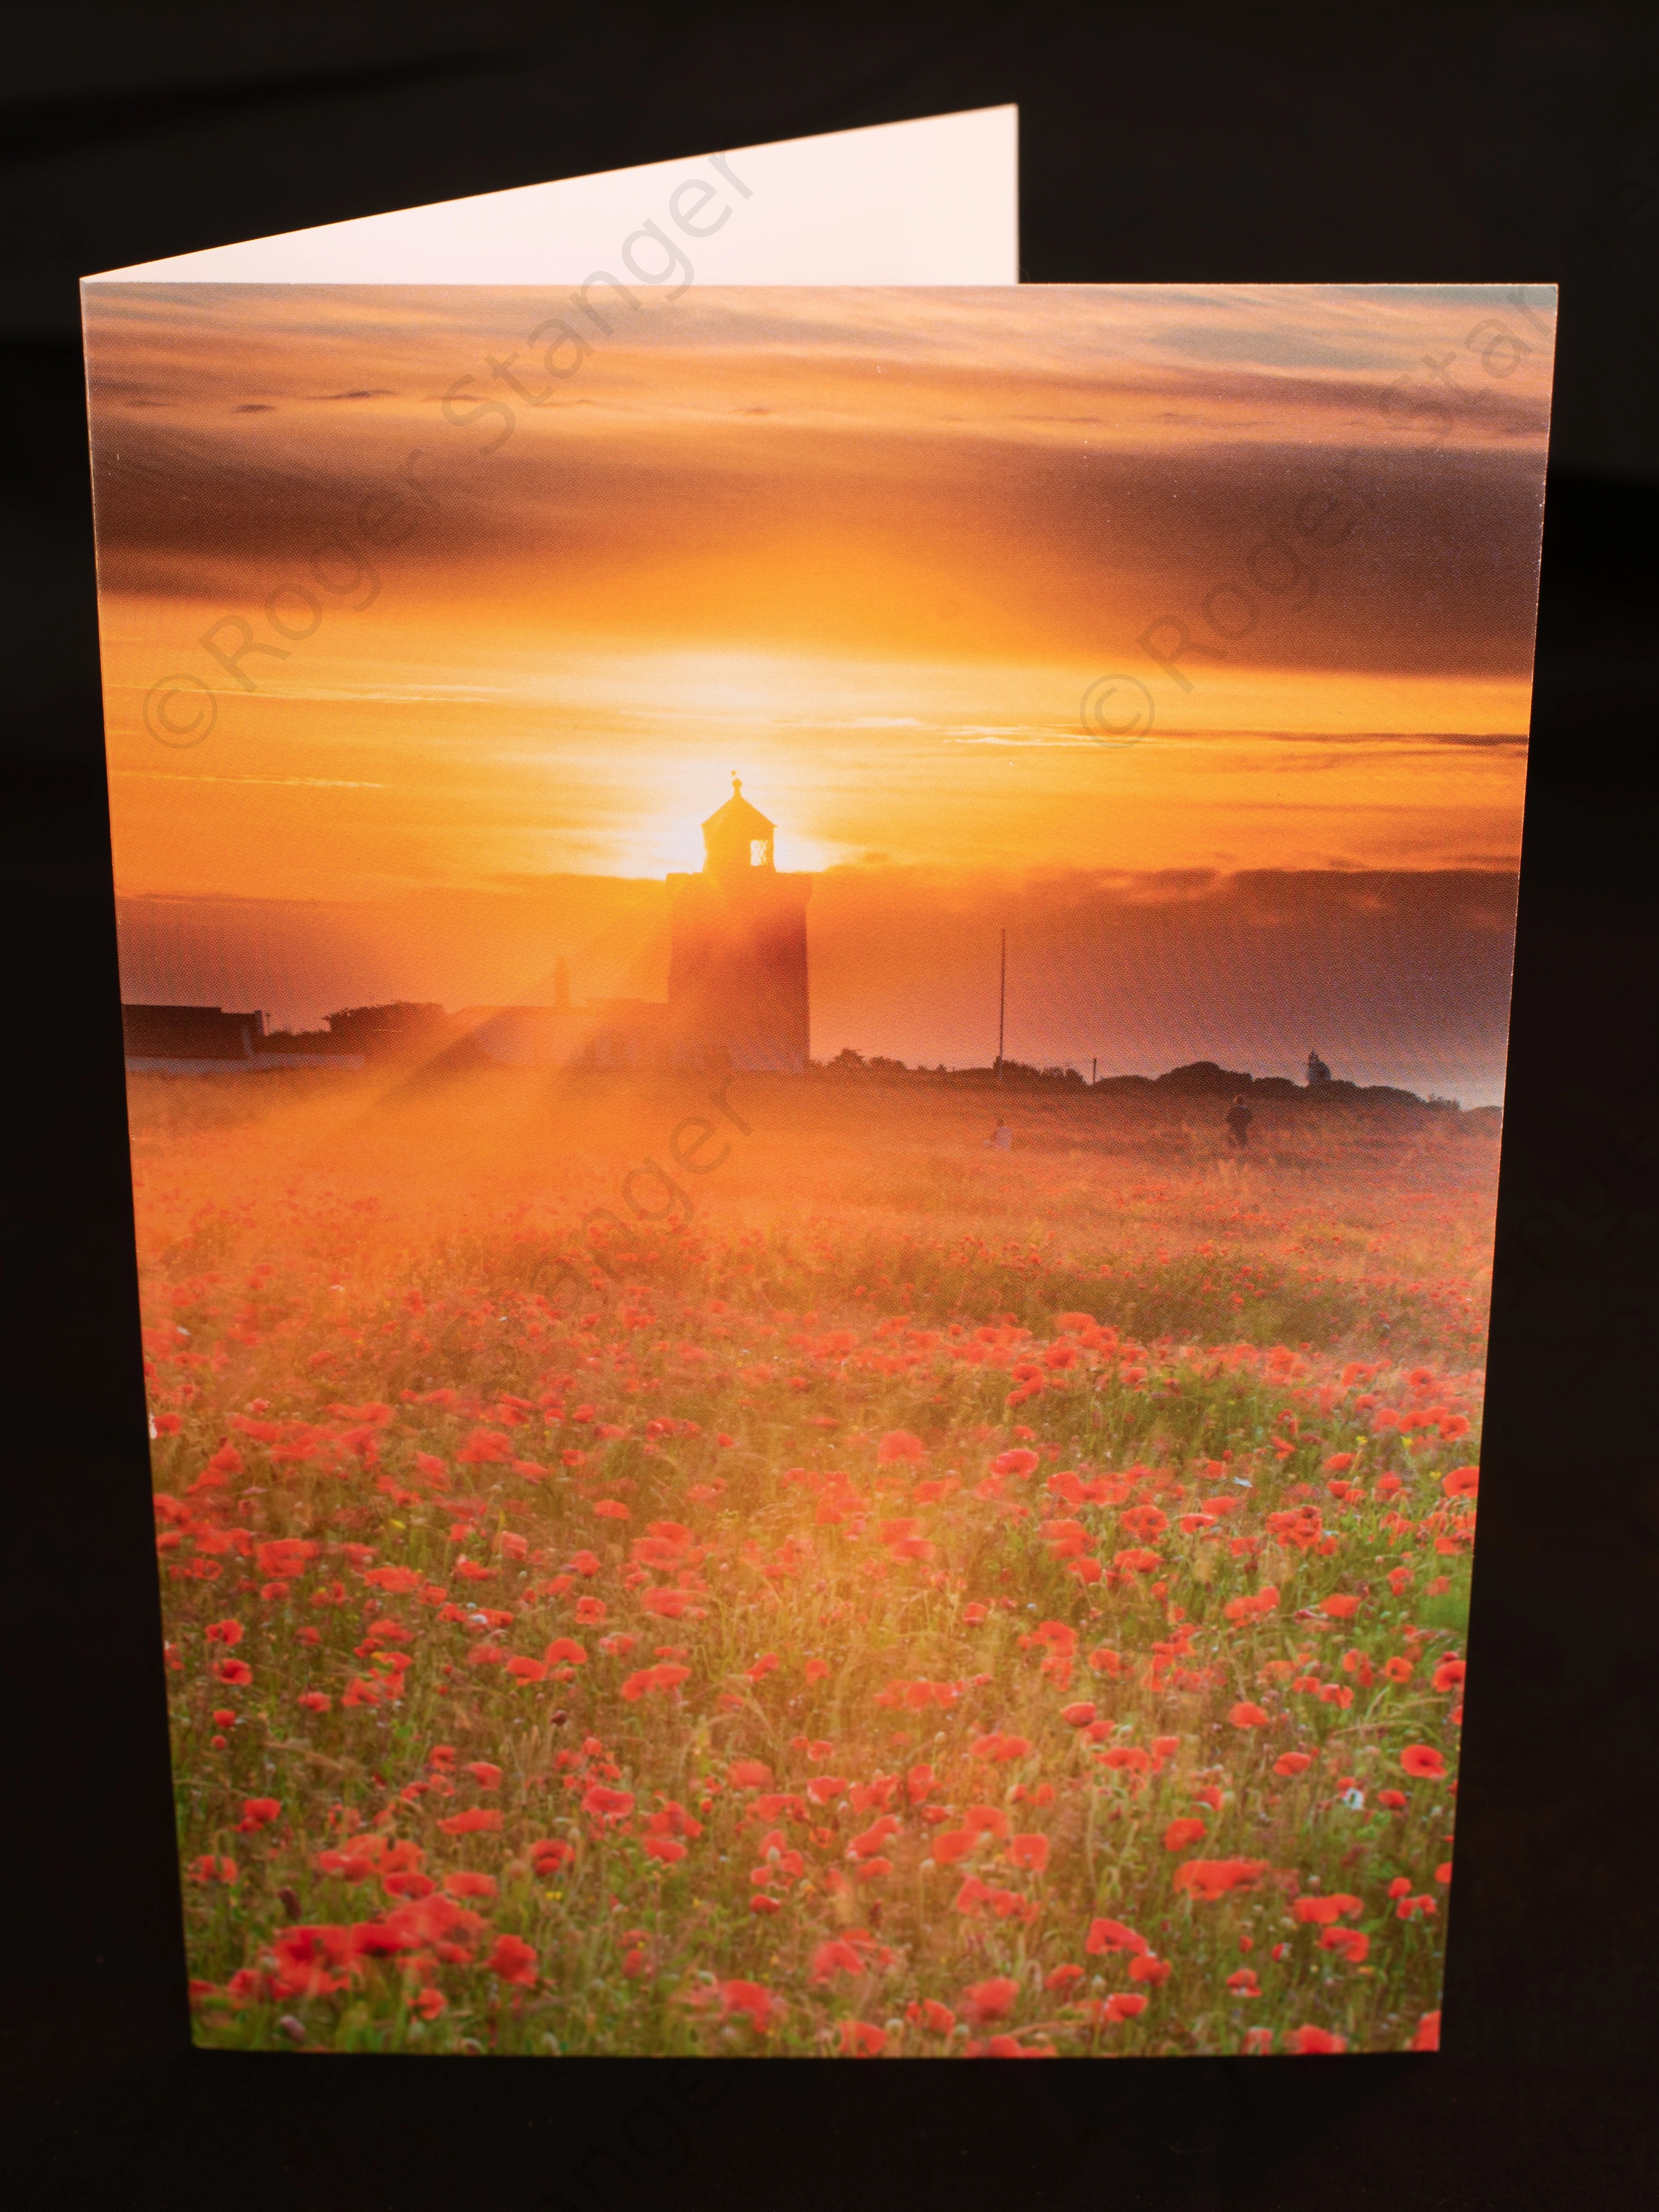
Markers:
point(1422, 1760)
point(1321, 1912)
point(1210, 1879)
point(512, 1960)
point(1244, 1715)
point(1292, 1762)
point(476, 1821)
point(988, 2001)
point(1308, 2042)
point(859, 2040)
point(1108, 1936)
point(900, 1444)
point(1180, 1832)
point(601, 1803)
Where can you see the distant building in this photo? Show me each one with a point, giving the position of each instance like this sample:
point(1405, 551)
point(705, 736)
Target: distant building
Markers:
point(190, 1040)
point(737, 993)
point(207, 1041)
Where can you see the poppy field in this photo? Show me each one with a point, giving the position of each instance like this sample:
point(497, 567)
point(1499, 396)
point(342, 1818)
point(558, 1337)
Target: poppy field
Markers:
point(649, 1571)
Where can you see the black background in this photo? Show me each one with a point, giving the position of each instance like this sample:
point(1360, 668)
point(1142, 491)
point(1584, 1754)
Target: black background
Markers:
point(1252, 142)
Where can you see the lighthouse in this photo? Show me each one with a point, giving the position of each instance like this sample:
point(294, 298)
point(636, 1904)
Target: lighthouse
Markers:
point(737, 969)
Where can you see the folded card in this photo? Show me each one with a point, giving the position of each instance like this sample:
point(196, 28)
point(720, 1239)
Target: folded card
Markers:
point(816, 952)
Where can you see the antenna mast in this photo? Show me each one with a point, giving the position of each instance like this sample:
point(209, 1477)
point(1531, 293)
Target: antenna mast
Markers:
point(1002, 1003)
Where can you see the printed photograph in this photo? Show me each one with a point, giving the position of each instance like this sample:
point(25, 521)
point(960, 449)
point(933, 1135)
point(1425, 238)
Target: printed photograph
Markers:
point(815, 989)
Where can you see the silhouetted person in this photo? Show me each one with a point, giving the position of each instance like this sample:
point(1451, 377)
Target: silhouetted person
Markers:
point(1002, 1137)
point(1317, 1071)
point(1239, 1118)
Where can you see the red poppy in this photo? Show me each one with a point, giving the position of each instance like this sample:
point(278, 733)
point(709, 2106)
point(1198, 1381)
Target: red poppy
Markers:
point(859, 2040)
point(1422, 1760)
point(1079, 1715)
point(486, 1776)
point(1210, 1879)
point(601, 1803)
point(1451, 1674)
point(1321, 1912)
point(1000, 1746)
point(524, 1669)
point(224, 1632)
point(1292, 1762)
point(476, 1820)
point(1395, 1800)
point(1028, 1851)
point(258, 1813)
point(753, 1999)
point(900, 1444)
point(235, 1673)
point(1338, 1606)
point(1315, 2042)
point(985, 2002)
point(1014, 1462)
point(1245, 1715)
point(1111, 1936)
point(749, 1774)
point(1244, 1983)
point(469, 1885)
point(1461, 1482)
point(1148, 1969)
point(1063, 1978)
point(1427, 2037)
point(550, 1855)
point(512, 1960)
point(1180, 1832)
point(1354, 1946)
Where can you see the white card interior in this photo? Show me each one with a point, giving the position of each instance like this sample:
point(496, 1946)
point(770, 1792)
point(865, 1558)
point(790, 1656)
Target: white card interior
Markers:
point(932, 202)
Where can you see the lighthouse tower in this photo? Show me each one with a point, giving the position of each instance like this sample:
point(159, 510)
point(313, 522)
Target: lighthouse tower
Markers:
point(736, 967)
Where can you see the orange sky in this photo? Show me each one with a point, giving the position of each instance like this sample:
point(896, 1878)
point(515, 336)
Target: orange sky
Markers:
point(869, 547)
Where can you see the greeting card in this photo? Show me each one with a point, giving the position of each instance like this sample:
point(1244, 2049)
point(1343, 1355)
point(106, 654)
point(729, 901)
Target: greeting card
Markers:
point(816, 952)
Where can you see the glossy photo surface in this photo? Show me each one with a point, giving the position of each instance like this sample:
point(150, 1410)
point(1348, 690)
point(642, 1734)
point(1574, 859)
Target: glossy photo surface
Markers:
point(816, 988)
